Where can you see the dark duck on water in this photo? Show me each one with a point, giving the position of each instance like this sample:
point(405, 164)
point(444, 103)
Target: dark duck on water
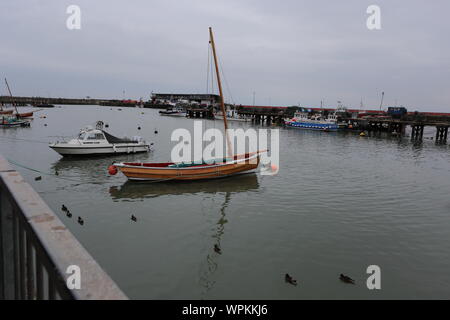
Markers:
point(346, 279)
point(290, 280)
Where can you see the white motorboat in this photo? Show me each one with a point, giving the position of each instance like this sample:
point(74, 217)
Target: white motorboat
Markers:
point(96, 141)
point(232, 116)
point(173, 112)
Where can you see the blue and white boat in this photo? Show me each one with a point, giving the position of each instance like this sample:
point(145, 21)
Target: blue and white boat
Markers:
point(315, 122)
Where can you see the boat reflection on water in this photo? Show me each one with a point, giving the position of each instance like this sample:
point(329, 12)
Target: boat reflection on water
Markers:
point(207, 270)
point(133, 190)
point(225, 187)
point(92, 167)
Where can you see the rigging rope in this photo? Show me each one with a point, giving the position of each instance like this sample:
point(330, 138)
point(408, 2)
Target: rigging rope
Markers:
point(225, 78)
point(207, 71)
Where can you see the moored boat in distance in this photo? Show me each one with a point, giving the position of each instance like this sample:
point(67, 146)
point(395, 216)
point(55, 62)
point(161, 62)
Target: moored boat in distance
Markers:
point(25, 114)
point(96, 141)
point(44, 105)
point(8, 122)
point(231, 116)
point(315, 122)
point(174, 112)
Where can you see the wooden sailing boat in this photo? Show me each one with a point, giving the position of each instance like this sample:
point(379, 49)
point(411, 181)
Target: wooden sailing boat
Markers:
point(232, 165)
point(17, 114)
point(5, 112)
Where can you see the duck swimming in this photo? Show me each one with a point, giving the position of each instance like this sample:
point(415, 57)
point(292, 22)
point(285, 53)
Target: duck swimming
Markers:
point(80, 221)
point(133, 218)
point(217, 249)
point(290, 280)
point(346, 279)
point(64, 208)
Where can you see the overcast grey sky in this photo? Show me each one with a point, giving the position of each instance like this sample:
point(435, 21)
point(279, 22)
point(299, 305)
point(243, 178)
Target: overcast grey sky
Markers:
point(288, 52)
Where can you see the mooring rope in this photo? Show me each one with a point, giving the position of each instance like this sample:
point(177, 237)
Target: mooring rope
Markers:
point(46, 173)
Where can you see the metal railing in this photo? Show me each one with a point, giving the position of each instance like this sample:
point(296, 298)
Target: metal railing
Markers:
point(36, 249)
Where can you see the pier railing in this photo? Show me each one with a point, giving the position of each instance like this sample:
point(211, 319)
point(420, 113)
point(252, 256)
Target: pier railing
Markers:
point(39, 256)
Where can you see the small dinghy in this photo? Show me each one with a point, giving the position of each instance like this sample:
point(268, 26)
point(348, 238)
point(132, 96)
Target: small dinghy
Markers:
point(24, 114)
point(96, 141)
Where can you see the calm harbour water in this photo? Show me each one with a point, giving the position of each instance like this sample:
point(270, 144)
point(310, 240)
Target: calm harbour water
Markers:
point(339, 203)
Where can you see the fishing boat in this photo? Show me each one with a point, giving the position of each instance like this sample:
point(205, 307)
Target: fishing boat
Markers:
point(9, 121)
point(302, 120)
point(214, 168)
point(96, 141)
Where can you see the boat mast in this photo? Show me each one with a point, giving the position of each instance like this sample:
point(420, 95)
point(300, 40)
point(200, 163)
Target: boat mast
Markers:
point(382, 97)
point(222, 102)
point(12, 98)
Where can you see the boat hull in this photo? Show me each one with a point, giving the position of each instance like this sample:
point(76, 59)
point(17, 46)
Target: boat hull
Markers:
point(233, 119)
point(25, 115)
point(178, 114)
point(141, 172)
point(314, 126)
point(44, 105)
point(14, 124)
point(66, 150)
point(6, 111)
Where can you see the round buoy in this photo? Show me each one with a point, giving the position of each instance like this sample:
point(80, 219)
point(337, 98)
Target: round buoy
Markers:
point(156, 131)
point(106, 125)
point(274, 168)
point(139, 128)
point(362, 134)
point(112, 170)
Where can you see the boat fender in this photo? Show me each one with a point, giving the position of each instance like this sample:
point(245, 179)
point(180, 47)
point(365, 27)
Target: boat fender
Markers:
point(112, 170)
point(274, 168)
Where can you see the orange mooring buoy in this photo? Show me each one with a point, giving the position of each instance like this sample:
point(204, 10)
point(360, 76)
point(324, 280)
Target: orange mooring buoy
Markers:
point(112, 170)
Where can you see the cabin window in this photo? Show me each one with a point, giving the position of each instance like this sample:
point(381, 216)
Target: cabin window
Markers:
point(81, 136)
point(96, 136)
